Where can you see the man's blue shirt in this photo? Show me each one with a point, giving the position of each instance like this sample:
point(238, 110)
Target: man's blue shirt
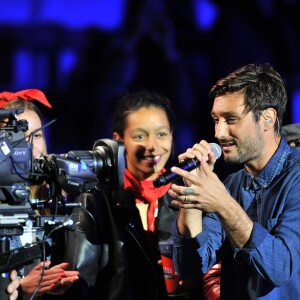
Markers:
point(268, 267)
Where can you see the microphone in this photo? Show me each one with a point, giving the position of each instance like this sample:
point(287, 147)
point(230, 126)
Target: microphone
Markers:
point(187, 165)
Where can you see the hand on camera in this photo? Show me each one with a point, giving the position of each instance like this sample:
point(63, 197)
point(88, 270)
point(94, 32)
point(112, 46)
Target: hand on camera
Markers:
point(12, 288)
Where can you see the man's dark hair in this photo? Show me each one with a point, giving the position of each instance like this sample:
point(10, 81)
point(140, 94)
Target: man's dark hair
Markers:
point(262, 87)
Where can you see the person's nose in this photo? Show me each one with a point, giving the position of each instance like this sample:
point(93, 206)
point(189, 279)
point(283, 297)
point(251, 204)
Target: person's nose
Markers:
point(221, 130)
point(152, 143)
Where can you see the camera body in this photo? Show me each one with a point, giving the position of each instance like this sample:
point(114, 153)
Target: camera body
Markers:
point(15, 158)
point(74, 173)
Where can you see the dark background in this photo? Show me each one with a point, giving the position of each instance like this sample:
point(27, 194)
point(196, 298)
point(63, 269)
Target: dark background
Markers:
point(84, 54)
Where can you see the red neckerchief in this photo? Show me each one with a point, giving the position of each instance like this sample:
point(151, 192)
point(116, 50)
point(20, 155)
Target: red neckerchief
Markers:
point(31, 94)
point(144, 191)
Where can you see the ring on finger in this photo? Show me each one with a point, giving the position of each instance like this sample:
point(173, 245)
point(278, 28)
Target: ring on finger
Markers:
point(188, 191)
point(186, 198)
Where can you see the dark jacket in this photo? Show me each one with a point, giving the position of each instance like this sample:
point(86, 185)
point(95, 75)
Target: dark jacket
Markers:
point(113, 254)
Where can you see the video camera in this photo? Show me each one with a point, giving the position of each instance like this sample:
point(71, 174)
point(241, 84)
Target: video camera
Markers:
point(74, 172)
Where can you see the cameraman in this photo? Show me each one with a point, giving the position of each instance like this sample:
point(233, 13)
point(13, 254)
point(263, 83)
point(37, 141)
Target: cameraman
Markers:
point(56, 279)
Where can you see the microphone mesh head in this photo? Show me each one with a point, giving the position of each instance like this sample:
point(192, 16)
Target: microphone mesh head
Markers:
point(216, 149)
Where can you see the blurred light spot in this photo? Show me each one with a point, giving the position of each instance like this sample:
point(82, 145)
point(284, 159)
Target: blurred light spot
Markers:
point(104, 14)
point(67, 61)
point(15, 11)
point(296, 107)
point(206, 14)
point(76, 14)
point(30, 70)
point(22, 69)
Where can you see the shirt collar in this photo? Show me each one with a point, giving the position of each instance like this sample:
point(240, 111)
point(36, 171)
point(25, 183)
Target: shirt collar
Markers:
point(271, 169)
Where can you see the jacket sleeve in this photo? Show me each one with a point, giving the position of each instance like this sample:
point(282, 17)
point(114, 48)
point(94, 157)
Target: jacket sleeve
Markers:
point(82, 245)
point(273, 251)
point(194, 256)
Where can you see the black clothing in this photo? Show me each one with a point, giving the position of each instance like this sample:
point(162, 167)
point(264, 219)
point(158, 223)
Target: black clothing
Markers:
point(116, 258)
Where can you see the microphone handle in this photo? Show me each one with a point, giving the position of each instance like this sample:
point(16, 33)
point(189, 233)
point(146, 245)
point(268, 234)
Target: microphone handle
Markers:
point(168, 176)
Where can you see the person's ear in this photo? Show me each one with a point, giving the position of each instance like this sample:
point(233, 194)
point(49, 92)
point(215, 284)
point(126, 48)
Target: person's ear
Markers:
point(117, 137)
point(269, 116)
point(268, 121)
